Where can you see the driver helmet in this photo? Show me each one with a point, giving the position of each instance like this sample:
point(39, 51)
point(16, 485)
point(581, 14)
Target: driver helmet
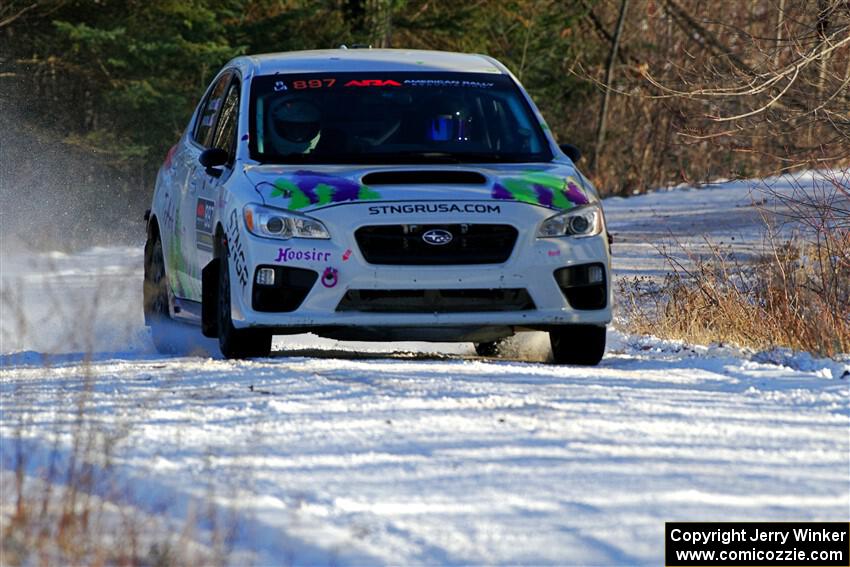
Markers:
point(294, 125)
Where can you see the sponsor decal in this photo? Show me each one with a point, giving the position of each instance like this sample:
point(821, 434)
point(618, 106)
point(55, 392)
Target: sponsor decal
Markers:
point(235, 250)
point(177, 264)
point(204, 212)
point(313, 83)
point(169, 211)
point(288, 255)
point(180, 270)
point(447, 83)
point(554, 252)
point(330, 277)
point(204, 241)
point(480, 208)
point(308, 188)
point(346, 255)
point(437, 237)
point(540, 188)
point(372, 83)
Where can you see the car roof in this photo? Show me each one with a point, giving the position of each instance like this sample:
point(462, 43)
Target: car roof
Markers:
point(359, 59)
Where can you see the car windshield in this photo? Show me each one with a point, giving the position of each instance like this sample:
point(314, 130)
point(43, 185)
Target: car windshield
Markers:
point(392, 118)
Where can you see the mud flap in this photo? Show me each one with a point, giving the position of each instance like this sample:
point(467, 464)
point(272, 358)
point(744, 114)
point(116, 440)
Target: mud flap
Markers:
point(209, 299)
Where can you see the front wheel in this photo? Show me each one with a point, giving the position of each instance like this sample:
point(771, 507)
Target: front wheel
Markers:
point(582, 345)
point(233, 342)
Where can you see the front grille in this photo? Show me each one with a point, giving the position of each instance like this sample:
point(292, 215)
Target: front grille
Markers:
point(435, 300)
point(402, 244)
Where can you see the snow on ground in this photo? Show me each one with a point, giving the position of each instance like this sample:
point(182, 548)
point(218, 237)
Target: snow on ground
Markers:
point(727, 214)
point(350, 453)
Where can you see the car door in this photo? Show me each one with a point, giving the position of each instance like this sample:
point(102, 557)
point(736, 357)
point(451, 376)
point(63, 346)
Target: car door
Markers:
point(212, 183)
point(200, 139)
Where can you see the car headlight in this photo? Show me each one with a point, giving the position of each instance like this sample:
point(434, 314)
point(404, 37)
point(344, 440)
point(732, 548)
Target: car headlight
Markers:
point(269, 222)
point(578, 222)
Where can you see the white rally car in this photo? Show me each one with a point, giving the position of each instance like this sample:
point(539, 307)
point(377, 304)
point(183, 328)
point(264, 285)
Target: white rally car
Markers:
point(382, 195)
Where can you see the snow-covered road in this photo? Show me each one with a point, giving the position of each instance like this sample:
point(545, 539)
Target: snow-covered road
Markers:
point(412, 459)
point(343, 453)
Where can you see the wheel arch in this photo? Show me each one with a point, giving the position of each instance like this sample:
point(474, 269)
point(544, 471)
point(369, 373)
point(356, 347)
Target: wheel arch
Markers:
point(152, 235)
point(219, 241)
point(153, 226)
point(209, 285)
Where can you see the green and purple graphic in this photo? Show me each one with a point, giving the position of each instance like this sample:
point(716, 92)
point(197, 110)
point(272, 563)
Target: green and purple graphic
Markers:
point(306, 188)
point(538, 188)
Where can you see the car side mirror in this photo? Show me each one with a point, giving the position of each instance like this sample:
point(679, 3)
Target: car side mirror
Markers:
point(572, 152)
point(213, 158)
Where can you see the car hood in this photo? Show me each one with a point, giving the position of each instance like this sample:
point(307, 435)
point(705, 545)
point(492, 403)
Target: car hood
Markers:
point(552, 185)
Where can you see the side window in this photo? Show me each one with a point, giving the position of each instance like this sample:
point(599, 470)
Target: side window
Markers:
point(209, 112)
point(225, 132)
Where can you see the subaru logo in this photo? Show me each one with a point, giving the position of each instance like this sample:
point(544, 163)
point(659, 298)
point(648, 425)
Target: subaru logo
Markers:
point(437, 237)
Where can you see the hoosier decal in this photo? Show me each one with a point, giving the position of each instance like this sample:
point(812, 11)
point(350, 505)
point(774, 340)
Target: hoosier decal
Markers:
point(288, 254)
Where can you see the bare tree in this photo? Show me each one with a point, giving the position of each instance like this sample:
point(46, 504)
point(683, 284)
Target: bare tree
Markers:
point(609, 77)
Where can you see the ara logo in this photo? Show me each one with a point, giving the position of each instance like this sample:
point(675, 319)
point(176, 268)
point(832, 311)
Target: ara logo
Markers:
point(437, 237)
point(372, 83)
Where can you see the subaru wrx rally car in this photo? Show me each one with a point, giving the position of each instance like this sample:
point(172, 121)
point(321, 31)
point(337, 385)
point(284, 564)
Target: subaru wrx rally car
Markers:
point(375, 195)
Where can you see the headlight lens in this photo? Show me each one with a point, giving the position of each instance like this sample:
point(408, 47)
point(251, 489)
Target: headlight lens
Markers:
point(579, 222)
point(269, 222)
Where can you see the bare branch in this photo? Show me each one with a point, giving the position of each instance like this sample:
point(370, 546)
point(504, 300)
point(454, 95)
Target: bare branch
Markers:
point(766, 106)
point(10, 19)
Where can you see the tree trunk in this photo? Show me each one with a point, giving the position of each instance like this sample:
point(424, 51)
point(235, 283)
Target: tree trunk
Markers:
point(379, 16)
point(779, 25)
point(609, 76)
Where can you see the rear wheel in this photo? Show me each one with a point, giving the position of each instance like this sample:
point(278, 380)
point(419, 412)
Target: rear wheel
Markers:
point(233, 342)
point(582, 345)
point(156, 302)
point(490, 348)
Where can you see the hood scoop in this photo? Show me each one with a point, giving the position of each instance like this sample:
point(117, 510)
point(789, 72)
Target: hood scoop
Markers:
point(423, 177)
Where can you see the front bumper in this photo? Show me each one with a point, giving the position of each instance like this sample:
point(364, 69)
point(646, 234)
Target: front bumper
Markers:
point(341, 267)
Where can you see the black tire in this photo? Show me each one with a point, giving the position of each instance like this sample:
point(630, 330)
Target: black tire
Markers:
point(582, 345)
point(233, 342)
point(490, 348)
point(165, 339)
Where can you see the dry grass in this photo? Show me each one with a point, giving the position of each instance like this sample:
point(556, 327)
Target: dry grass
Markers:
point(796, 294)
point(70, 505)
point(64, 499)
point(66, 502)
